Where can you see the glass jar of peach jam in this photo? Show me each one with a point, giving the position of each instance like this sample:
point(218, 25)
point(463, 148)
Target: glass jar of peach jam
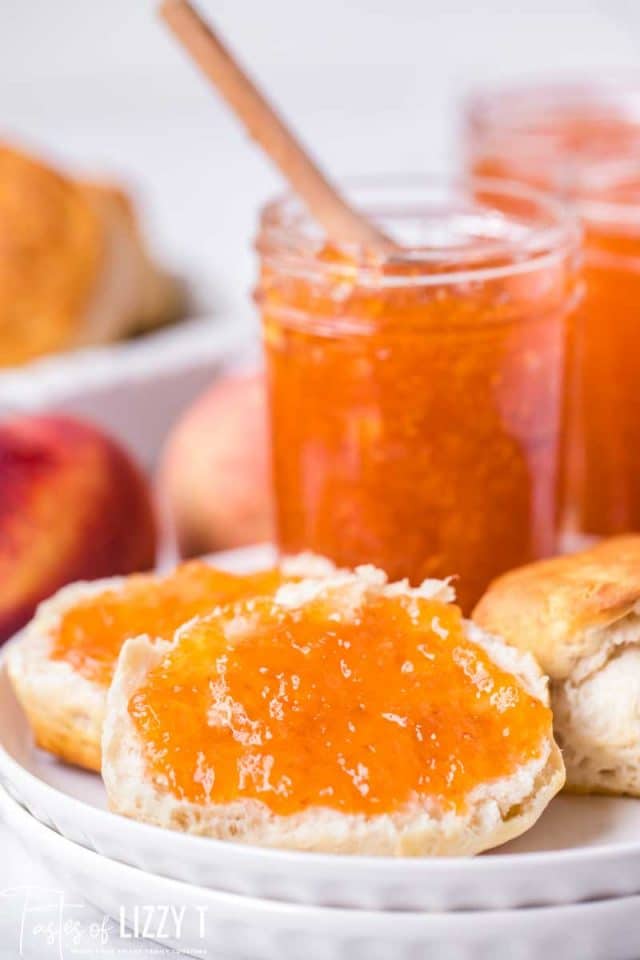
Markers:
point(604, 430)
point(416, 403)
point(581, 141)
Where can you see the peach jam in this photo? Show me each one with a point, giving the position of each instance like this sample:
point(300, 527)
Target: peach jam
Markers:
point(362, 712)
point(92, 631)
point(416, 404)
point(605, 481)
point(583, 142)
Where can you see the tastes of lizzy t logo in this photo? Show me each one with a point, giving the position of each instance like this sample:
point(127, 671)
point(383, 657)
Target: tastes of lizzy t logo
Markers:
point(160, 922)
point(45, 924)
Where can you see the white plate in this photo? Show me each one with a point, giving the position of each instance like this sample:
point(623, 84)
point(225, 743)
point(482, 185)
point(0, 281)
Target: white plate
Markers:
point(581, 848)
point(223, 925)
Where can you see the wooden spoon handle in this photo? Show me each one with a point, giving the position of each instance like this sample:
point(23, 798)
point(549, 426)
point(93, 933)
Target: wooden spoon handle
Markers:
point(341, 222)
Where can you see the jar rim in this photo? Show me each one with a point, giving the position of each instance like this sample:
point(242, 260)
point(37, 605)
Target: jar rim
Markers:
point(289, 241)
point(533, 112)
point(515, 107)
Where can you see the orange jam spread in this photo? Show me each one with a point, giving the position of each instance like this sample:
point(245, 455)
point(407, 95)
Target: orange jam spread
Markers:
point(91, 633)
point(416, 425)
point(305, 707)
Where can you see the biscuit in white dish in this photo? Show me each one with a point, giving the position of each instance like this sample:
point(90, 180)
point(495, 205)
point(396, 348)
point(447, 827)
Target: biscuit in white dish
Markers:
point(75, 269)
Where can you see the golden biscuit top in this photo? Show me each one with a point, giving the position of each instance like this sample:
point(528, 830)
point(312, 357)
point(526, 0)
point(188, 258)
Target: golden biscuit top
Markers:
point(557, 609)
point(51, 248)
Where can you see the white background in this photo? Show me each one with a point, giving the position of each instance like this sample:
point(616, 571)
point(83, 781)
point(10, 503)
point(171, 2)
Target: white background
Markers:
point(373, 85)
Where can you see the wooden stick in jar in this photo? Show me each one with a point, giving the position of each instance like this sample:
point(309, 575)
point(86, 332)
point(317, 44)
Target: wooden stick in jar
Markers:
point(341, 222)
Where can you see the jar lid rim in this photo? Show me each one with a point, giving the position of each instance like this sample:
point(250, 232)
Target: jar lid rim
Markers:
point(288, 239)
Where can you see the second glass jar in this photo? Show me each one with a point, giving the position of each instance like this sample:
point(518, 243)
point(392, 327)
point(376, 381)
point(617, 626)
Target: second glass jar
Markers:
point(581, 142)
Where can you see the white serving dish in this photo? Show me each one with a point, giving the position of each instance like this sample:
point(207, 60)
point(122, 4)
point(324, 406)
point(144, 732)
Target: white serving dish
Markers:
point(136, 389)
point(216, 924)
point(582, 848)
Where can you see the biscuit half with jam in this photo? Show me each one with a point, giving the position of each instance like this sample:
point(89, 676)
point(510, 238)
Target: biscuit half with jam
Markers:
point(342, 714)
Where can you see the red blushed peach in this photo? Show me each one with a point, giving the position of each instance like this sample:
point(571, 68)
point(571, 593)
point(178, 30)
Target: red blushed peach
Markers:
point(215, 476)
point(73, 506)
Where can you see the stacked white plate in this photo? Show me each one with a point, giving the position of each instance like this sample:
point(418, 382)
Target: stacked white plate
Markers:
point(569, 888)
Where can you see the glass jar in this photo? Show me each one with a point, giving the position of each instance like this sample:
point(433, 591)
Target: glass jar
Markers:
point(582, 142)
point(603, 493)
point(416, 403)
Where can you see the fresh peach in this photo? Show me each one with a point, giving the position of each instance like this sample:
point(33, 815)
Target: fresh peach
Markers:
point(73, 505)
point(215, 474)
